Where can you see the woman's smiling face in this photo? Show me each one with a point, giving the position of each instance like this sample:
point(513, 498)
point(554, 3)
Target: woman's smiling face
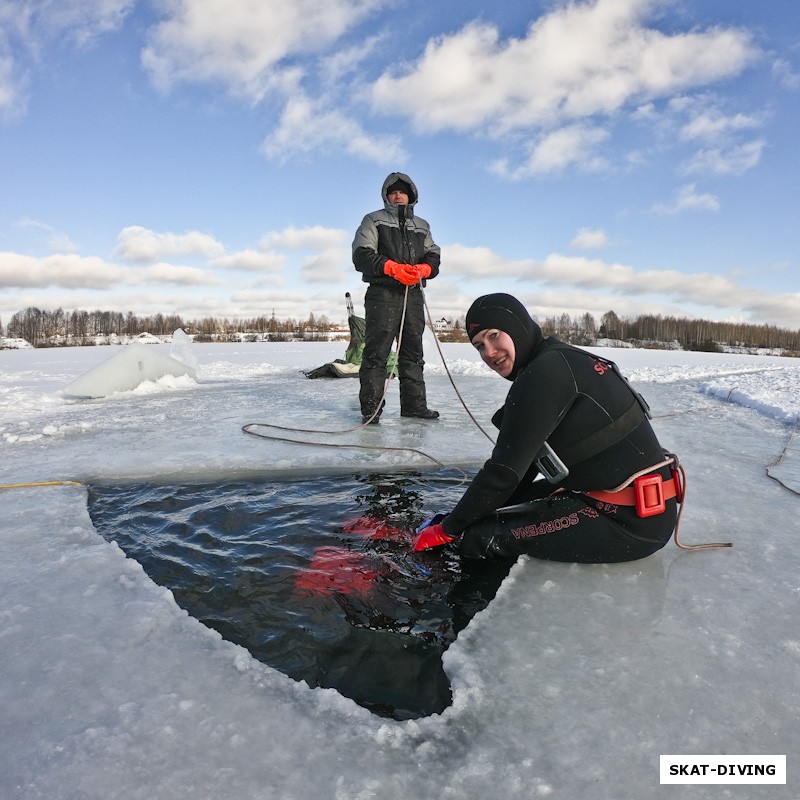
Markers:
point(497, 350)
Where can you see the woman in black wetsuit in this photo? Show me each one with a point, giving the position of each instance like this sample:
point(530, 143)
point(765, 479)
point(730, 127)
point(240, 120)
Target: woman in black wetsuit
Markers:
point(599, 428)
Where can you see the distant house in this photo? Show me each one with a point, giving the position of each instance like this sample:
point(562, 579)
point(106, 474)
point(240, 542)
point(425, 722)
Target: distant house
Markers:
point(442, 326)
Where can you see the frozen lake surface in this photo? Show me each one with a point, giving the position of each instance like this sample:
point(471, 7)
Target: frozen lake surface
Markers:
point(570, 684)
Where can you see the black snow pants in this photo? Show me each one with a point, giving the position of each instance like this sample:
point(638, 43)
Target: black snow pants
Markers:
point(383, 310)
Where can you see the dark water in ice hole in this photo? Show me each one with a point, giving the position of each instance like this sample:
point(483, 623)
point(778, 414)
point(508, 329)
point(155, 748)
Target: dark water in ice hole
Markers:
point(314, 576)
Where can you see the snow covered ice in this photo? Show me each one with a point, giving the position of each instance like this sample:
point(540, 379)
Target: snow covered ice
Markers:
point(569, 685)
point(125, 370)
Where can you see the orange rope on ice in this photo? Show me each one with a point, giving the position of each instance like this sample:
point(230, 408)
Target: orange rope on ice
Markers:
point(680, 544)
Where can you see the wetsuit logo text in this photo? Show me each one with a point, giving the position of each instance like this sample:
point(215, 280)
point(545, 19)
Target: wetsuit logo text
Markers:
point(550, 526)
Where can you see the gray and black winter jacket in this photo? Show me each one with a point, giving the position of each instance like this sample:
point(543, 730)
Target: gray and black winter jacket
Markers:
point(394, 233)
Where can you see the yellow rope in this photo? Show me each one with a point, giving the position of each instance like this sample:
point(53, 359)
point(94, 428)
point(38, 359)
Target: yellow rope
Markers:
point(40, 483)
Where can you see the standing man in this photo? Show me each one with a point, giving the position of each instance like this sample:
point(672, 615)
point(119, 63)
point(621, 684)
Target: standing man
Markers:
point(393, 249)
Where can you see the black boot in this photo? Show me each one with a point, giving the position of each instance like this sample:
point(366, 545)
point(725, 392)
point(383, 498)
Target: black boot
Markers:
point(420, 413)
point(372, 418)
point(413, 402)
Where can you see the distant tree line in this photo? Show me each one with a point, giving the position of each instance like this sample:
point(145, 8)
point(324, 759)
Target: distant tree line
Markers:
point(47, 328)
point(44, 328)
point(654, 330)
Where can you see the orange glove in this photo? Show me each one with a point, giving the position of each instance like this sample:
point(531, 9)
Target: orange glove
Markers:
point(432, 536)
point(424, 270)
point(404, 273)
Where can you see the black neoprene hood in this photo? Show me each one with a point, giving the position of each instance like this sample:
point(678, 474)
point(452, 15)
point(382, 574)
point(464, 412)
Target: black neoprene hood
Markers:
point(506, 313)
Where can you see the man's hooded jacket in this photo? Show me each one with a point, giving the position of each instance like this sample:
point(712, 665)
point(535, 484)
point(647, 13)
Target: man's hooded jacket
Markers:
point(394, 233)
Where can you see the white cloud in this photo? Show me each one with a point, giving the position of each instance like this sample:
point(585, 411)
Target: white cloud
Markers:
point(589, 239)
point(558, 284)
point(687, 199)
point(308, 125)
point(578, 271)
point(328, 259)
point(11, 86)
point(342, 63)
point(580, 60)
point(176, 275)
point(34, 23)
point(57, 241)
point(623, 284)
point(253, 48)
point(28, 29)
point(314, 237)
point(477, 262)
point(560, 149)
point(285, 303)
point(241, 43)
point(577, 284)
point(329, 266)
point(135, 243)
point(592, 283)
point(720, 136)
point(61, 243)
point(785, 72)
point(781, 309)
point(711, 125)
point(79, 20)
point(68, 271)
point(726, 161)
point(251, 261)
point(553, 303)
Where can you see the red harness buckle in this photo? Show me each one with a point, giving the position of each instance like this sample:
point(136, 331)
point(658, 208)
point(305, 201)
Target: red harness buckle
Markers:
point(680, 489)
point(649, 491)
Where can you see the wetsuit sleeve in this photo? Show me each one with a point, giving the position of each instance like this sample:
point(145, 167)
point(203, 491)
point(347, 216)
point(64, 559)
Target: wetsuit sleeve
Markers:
point(539, 398)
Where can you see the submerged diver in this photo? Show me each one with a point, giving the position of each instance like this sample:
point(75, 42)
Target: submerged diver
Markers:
point(600, 437)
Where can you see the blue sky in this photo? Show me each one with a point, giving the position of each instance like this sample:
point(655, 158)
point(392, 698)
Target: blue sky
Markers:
point(214, 157)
